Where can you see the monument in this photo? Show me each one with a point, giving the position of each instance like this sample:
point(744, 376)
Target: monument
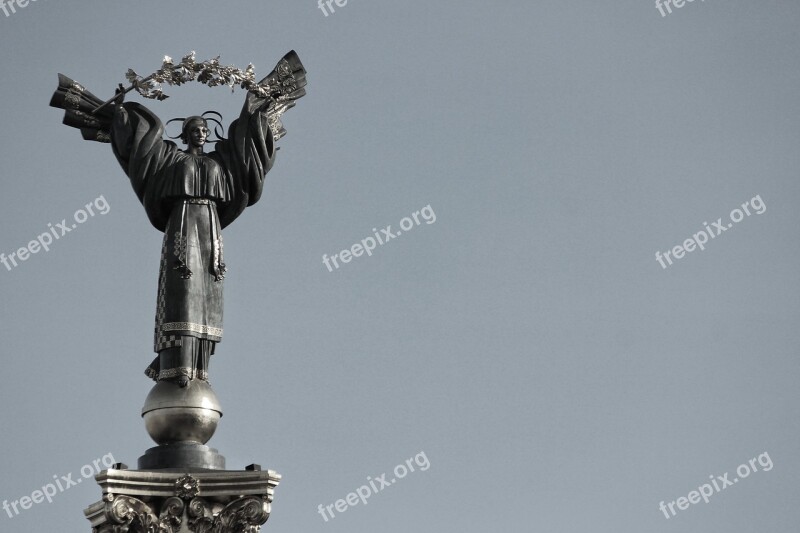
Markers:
point(181, 484)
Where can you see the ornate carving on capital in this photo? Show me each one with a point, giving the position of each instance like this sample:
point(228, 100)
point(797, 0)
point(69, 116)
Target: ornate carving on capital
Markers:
point(170, 502)
point(244, 515)
point(126, 514)
point(201, 516)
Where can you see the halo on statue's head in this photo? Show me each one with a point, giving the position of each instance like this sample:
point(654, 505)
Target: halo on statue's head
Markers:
point(218, 128)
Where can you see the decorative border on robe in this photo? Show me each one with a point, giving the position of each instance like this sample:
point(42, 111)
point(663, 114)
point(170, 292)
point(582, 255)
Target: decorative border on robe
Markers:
point(191, 373)
point(191, 326)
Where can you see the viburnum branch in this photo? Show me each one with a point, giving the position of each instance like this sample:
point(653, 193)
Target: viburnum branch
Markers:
point(209, 72)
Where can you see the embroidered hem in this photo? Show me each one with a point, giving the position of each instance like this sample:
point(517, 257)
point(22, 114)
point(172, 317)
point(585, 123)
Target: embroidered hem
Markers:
point(172, 373)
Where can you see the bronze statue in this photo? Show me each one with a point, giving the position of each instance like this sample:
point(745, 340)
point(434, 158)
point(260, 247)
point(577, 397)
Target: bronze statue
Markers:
point(189, 195)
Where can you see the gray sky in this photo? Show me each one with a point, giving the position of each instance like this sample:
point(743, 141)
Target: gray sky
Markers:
point(555, 376)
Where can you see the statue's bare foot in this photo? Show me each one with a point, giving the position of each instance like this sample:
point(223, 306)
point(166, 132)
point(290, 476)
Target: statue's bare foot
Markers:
point(182, 381)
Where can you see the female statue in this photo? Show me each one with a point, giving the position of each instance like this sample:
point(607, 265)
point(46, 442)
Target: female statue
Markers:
point(190, 196)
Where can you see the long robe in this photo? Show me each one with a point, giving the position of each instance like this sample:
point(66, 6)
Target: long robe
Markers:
point(191, 199)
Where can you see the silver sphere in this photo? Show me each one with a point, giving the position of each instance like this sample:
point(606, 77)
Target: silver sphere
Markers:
point(174, 414)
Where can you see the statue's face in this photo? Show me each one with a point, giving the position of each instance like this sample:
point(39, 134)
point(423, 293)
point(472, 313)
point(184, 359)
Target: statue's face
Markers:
point(198, 133)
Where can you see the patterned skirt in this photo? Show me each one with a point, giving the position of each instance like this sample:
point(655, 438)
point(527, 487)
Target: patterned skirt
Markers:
point(190, 292)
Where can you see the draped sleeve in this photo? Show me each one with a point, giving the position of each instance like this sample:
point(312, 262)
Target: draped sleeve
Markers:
point(138, 144)
point(247, 154)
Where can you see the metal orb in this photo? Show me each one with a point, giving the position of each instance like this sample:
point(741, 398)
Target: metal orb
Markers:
point(173, 414)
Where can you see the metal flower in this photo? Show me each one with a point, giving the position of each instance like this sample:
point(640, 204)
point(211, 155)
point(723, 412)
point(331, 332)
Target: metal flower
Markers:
point(187, 487)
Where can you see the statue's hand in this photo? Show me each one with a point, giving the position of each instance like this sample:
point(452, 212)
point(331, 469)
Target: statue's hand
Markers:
point(120, 95)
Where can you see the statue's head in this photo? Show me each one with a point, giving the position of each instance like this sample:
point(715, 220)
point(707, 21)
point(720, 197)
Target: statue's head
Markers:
point(195, 131)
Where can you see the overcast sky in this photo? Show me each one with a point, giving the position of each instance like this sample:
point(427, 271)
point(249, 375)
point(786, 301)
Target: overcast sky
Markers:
point(555, 374)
